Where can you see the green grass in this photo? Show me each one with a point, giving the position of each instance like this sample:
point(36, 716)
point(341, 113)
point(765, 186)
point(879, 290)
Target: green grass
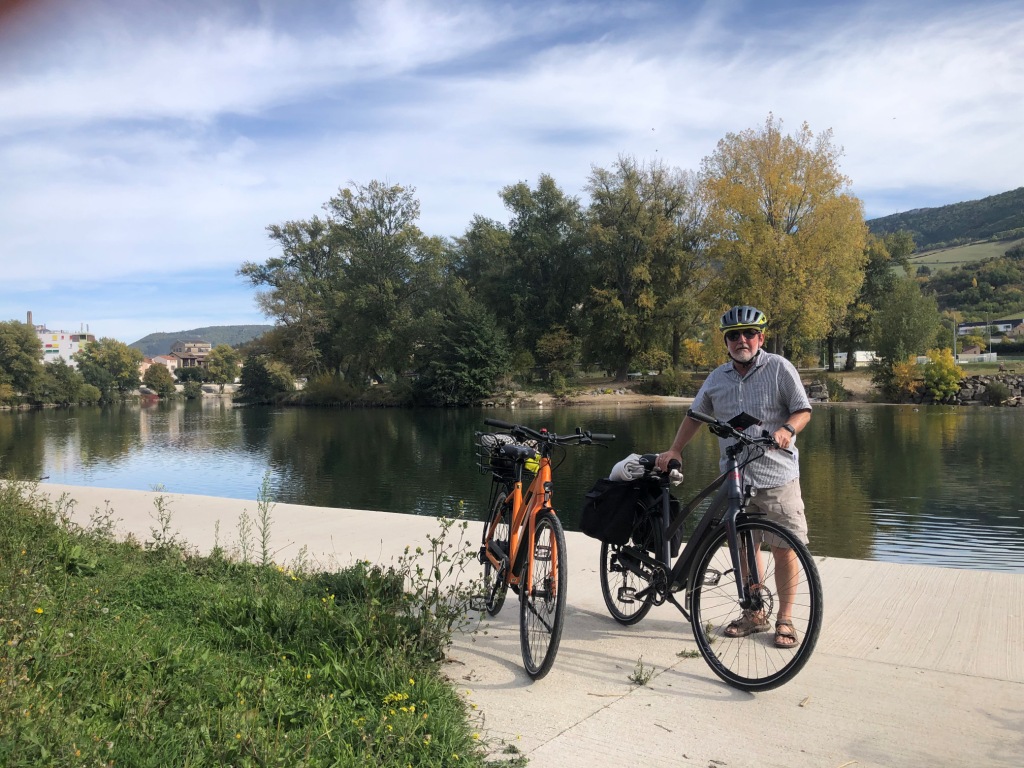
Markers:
point(116, 654)
point(947, 258)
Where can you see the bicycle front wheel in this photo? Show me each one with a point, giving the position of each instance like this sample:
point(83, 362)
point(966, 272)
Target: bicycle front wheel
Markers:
point(740, 646)
point(496, 581)
point(542, 606)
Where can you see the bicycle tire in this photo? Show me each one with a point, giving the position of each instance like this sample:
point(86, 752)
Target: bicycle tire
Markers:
point(494, 594)
point(619, 584)
point(753, 662)
point(542, 607)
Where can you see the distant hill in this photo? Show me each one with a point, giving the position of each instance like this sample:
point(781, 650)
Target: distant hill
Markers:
point(996, 218)
point(232, 335)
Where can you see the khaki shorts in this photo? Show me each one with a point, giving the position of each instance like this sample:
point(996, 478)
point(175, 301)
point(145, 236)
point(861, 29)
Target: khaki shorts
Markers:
point(783, 505)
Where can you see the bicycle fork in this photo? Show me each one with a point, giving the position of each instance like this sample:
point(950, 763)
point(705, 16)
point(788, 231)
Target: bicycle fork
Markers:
point(742, 554)
point(545, 591)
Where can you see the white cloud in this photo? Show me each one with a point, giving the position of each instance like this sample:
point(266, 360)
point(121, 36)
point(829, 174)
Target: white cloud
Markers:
point(163, 143)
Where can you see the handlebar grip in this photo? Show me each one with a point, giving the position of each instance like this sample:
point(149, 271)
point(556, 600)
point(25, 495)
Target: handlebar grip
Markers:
point(698, 416)
point(675, 464)
point(601, 438)
point(499, 424)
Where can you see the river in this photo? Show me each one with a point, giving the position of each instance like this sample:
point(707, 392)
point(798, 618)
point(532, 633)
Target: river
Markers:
point(934, 485)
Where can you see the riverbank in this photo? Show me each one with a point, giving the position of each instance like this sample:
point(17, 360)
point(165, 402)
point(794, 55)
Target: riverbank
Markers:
point(916, 665)
point(857, 383)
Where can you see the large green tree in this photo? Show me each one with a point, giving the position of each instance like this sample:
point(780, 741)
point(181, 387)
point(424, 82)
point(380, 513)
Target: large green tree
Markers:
point(461, 362)
point(906, 322)
point(61, 384)
point(532, 272)
point(301, 291)
point(884, 255)
point(386, 280)
point(159, 379)
point(787, 231)
point(643, 259)
point(352, 290)
point(222, 364)
point(20, 353)
point(111, 366)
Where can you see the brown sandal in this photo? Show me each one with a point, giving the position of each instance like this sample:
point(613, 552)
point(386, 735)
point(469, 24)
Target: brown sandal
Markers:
point(749, 623)
point(785, 635)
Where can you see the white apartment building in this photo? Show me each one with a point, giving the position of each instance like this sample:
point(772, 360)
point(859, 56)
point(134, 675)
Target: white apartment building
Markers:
point(60, 345)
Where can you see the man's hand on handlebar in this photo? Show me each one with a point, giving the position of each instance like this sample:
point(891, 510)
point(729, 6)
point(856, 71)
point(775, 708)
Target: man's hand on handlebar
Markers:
point(783, 438)
point(664, 458)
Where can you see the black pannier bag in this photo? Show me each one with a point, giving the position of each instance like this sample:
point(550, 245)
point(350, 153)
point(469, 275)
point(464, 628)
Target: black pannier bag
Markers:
point(612, 509)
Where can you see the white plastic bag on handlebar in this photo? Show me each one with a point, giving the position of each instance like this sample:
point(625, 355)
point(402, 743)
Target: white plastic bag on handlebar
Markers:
point(627, 469)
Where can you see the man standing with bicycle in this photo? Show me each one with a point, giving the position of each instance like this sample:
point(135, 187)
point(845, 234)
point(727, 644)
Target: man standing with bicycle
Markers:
point(767, 387)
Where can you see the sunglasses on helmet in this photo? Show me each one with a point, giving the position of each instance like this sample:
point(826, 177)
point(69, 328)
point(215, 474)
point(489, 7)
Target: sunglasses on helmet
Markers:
point(748, 333)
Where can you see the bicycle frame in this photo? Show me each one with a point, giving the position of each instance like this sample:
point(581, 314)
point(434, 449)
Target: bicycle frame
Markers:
point(730, 495)
point(525, 508)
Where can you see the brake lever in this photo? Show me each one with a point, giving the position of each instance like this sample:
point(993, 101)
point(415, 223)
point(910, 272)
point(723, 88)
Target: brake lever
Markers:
point(766, 435)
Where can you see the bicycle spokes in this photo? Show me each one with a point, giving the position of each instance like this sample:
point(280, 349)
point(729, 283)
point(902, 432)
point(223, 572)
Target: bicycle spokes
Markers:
point(737, 637)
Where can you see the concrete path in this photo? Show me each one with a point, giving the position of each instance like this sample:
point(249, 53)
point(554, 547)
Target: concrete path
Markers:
point(916, 666)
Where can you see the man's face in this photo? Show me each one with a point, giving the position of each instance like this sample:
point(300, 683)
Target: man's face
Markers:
point(743, 344)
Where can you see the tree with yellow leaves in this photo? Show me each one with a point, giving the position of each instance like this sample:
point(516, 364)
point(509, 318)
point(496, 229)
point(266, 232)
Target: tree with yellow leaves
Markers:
point(789, 235)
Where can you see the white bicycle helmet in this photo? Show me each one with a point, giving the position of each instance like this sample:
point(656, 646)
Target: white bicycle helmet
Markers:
point(741, 317)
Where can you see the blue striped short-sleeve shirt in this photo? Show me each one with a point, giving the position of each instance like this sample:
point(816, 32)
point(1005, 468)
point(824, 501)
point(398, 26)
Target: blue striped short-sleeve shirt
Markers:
point(771, 391)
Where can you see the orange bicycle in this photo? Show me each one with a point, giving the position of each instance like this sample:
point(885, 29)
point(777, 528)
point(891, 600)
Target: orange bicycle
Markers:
point(523, 544)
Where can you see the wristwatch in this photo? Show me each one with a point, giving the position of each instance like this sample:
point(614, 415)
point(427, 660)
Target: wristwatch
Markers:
point(789, 428)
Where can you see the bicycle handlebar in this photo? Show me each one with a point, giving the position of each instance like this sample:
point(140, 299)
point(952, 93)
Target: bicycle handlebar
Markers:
point(726, 430)
point(580, 436)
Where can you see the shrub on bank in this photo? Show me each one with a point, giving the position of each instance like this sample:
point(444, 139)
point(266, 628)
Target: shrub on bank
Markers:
point(837, 393)
point(671, 382)
point(996, 393)
point(942, 375)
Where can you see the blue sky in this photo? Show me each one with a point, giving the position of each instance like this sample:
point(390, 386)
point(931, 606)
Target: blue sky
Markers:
point(146, 145)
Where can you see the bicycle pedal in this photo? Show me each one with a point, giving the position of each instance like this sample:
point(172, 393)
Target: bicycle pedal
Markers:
point(627, 595)
point(542, 553)
point(711, 578)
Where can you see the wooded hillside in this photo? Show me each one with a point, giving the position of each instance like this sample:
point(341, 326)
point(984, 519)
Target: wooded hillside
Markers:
point(999, 217)
point(232, 335)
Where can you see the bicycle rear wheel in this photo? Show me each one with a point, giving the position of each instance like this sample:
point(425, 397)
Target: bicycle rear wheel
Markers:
point(495, 581)
point(753, 662)
point(542, 607)
point(620, 581)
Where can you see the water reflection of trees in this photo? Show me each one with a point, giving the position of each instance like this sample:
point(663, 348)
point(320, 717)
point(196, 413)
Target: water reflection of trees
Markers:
point(103, 434)
point(361, 458)
point(900, 467)
point(833, 454)
point(422, 460)
point(21, 446)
